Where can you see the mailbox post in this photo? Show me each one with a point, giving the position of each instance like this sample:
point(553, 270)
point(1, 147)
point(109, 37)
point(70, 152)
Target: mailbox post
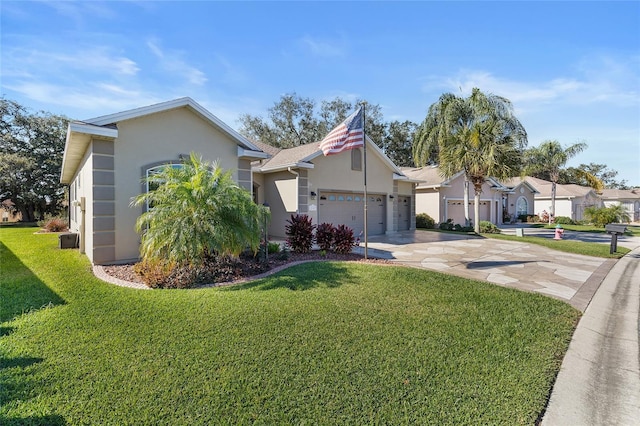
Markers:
point(615, 229)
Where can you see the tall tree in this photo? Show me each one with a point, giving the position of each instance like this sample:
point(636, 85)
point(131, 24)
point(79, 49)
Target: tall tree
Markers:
point(292, 121)
point(479, 135)
point(550, 157)
point(32, 146)
point(580, 176)
point(399, 142)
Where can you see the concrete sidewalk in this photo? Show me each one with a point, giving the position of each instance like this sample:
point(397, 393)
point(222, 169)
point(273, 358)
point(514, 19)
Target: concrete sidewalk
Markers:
point(599, 381)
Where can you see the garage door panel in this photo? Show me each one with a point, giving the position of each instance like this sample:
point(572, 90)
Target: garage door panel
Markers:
point(340, 208)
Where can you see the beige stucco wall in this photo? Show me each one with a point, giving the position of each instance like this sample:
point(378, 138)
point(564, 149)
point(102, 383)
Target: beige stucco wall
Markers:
point(82, 183)
point(428, 201)
point(331, 173)
point(334, 173)
point(153, 139)
point(520, 191)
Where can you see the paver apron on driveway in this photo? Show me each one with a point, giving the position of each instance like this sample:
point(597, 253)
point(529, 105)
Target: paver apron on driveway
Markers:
point(508, 263)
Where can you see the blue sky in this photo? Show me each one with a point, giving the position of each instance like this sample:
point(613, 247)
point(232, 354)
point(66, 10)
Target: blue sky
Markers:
point(571, 69)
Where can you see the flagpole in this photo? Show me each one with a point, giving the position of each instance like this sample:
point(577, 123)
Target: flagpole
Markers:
point(364, 134)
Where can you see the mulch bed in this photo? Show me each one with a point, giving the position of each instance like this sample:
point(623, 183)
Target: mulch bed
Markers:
point(248, 267)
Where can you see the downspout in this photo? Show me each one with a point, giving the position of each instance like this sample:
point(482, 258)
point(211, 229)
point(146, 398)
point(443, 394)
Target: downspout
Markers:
point(293, 172)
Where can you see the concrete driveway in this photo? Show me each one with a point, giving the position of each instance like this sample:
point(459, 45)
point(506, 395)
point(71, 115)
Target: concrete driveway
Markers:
point(569, 277)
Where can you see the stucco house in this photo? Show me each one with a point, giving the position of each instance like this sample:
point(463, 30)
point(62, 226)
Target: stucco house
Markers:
point(106, 158)
point(571, 200)
point(331, 188)
point(443, 199)
point(629, 198)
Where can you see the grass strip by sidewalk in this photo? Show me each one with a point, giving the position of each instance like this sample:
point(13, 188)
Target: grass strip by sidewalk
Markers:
point(567, 246)
point(321, 343)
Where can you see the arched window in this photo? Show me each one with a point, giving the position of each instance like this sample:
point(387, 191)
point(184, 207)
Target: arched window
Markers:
point(522, 206)
point(356, 159)
point(152, 186)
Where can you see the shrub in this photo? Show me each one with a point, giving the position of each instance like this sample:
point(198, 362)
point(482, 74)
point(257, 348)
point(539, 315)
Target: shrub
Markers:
point(343, 239)
point(164, 274)
point(299, 230)
point(446, 226)
point(604, 215)
point(53, 224)
point(325, 235)
point(544, 216)
point(487, 227)
point(273, 248)
point(425, 221)
point(564, 220)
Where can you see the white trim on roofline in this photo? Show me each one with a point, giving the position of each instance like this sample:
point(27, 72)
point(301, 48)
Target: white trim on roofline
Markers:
point(281, 167)
point(91, 129)
point(165, 106)
point(247, 153)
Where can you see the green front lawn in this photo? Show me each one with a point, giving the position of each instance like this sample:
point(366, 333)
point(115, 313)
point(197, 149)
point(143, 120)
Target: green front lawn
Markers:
point(632, 230)
point(321, 343)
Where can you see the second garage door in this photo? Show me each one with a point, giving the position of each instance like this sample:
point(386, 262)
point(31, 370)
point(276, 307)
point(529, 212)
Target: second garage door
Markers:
point(340, 208)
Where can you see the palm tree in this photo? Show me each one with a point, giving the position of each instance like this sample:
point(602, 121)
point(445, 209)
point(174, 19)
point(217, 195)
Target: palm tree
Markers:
point(478, 135)
point(196, 211)
point(549, 158)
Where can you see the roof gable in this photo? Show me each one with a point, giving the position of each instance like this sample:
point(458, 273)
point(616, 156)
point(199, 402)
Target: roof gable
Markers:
point(169, 105)
point(303, 155)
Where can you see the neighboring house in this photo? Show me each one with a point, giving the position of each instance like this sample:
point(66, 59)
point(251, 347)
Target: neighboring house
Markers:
point(106, 159)
point(443, 199)
point(629, 198)
point(571, 200)
point(9, 212)
point(331, 189)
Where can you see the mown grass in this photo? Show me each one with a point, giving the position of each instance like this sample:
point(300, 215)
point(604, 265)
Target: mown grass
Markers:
point(568, 246)
point(632, 230)
point(322, 343)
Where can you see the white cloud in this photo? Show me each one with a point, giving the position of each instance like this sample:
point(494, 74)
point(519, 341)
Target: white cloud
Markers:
point(171, 61)
point(326, 49)
point(597, 80)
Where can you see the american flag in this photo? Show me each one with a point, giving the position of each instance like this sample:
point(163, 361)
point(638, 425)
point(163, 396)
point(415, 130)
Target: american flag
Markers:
point(348, 135)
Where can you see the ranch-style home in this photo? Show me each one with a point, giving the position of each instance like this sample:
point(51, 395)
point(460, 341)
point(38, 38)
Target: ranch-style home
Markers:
point(628, 198)
point(570, 200)
point(107, 158)
point(443, 199)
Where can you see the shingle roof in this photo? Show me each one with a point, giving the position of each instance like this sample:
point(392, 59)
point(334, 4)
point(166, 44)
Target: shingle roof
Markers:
point(288, 157)
point(621, 194)
point(570, 191)
point(429, 174)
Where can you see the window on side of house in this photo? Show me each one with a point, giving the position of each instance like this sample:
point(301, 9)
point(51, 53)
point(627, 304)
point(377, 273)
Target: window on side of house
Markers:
point(356, 159)
point(152, 186)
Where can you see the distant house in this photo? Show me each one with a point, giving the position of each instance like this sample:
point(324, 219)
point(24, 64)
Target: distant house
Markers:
point(106, 159)
point(570, 200)
point(9, 213)
point(331, 189)
point(629, 198)
point(443, 199)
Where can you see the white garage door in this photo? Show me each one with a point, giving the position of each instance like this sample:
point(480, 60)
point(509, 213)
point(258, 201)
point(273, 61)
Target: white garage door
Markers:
point(340, 208)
